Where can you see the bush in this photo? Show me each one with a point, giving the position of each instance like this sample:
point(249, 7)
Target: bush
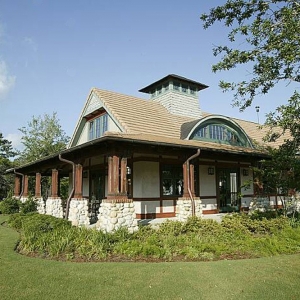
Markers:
point(28, 206)
point(235, 237)
point(10, 205)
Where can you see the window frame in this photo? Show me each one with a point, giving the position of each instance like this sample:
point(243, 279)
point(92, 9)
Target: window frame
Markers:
point(98, 126)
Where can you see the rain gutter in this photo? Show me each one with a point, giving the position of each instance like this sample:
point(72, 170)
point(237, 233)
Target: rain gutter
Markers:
point(73, 184)
point(189, 179)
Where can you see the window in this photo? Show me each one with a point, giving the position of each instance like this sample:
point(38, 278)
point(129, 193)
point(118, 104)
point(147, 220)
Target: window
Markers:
point(97, 127)
point(192, 90)
point(216, 131)
point(184, 88)
point(166, 86)
point(172, 180)
point(176, 86)
point(159, 89)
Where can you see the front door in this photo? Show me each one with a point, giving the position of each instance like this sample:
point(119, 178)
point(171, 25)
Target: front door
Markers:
point(228, 189)
point(97, 192)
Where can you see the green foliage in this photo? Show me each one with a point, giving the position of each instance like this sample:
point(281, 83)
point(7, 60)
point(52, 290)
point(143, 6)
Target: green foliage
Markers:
point(197, 239)
point(43, 136)
point(10, 205)
point(28, 206)
point(6, 152)
point(265, 34)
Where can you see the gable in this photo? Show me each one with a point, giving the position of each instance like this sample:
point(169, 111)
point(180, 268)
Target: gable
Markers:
point(93, 111)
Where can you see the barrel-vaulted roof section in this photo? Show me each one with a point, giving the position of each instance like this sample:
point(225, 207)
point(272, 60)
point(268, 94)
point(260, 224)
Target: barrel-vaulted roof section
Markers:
point(221, 120)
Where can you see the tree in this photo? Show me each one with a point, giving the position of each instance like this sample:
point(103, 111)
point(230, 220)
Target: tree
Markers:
point(267, 36)
point(42, 137)
point(266, 33)
point(6, 152)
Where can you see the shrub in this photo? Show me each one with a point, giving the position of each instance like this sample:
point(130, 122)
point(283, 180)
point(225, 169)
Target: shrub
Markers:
point(35, 222)
point(28, 206)
point(10, 205)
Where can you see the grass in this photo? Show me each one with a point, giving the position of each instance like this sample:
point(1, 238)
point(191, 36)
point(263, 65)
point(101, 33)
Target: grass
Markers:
point(23, 277)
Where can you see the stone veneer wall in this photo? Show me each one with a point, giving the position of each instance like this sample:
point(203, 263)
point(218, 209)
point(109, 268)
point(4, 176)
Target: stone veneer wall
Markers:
point(116, 214)
point(40, 205)
point(79, 212)
point(54, 207)
point(184, 208)
point(23, 199)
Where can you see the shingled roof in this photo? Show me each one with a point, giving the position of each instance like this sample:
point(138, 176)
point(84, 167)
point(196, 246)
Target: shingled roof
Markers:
point(140, 117)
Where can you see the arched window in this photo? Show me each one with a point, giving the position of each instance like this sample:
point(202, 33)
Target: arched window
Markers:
point(220, 130)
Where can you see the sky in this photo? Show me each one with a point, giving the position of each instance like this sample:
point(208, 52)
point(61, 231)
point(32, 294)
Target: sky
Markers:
point(52, 52)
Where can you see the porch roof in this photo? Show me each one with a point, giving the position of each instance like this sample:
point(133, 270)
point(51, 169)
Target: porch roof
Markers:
point(106, 144)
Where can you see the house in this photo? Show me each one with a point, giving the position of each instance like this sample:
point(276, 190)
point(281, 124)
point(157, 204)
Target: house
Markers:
point(131, 159)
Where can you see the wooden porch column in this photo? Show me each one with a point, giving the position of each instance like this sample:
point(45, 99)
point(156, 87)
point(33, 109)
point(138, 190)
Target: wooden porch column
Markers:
point(110, 175)
point(192, 179)
point(124, 176)
point(17, 188)
point(25, 190)
point(115, 179)
point(54, 184)
point(38, 178)
point(78, 182)
point(185, 181)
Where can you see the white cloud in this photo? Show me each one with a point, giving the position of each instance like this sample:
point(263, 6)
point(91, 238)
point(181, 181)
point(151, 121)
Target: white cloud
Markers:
point(15, 139)
point(7, 81)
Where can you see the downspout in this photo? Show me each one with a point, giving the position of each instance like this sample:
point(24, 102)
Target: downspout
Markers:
point(22, 191)
point(73, 184)
point(189, 180)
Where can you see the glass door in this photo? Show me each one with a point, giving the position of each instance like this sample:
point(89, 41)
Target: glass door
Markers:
point(228, 190)
point(97, 192)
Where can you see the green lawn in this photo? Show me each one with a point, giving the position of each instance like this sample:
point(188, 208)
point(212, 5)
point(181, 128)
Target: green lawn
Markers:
point(30, 278)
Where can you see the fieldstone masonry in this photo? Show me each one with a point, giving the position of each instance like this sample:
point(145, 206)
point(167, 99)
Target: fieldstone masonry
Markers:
point(79, 212)
point(23, 199)
point(116, 214)
point(184, 208)
point(40, 205)
point(54, 207)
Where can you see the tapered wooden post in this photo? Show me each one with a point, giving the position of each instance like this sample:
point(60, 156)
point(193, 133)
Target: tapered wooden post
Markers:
point(38, 178)
point(185, 180)
point(116, 178)
point(110, 175)
point(17, 189)
point(192, 180)
point(54, 184)
point(78, 182)
point(124, 176)
point(25, 190)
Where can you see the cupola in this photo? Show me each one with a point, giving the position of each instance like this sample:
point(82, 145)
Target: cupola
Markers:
point(179, 95)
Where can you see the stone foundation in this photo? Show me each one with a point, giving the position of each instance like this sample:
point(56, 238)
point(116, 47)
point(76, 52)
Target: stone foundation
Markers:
point(40, 205)
point(259, 204)
point(114, 214)
point(184, 208)
point(79, 212)
point(54, 207)
point(23, 199)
